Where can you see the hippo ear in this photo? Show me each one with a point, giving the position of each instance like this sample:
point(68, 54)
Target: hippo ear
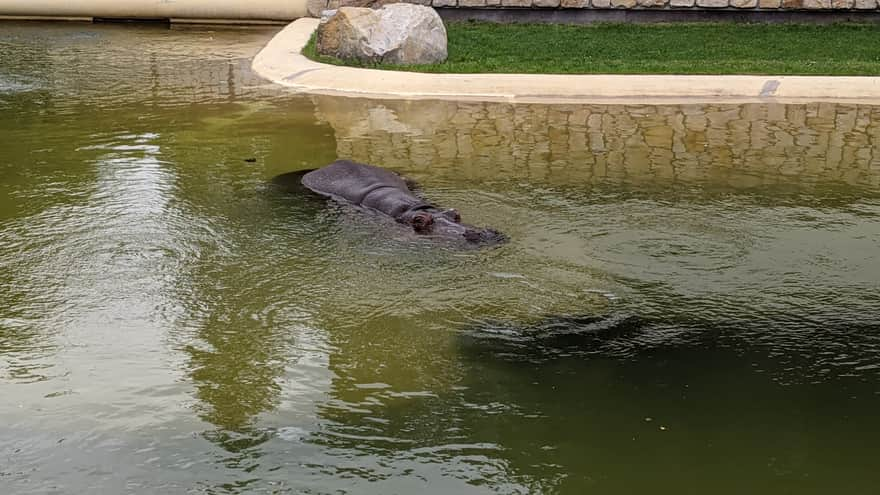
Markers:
point(421, 222)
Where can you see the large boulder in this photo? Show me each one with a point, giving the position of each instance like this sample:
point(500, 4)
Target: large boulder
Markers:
point(399, 33)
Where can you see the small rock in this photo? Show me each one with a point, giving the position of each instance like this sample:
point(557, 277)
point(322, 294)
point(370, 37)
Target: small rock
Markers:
point(326, 15)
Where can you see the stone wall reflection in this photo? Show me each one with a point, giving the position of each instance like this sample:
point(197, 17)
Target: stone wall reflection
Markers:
point(109, 67)
point(730, 145)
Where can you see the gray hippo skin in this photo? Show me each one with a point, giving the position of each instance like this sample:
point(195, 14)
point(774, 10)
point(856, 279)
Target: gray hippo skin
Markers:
point(386, 192)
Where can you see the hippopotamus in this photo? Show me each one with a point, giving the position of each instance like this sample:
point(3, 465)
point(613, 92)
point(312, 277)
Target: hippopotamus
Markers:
point(384, 191)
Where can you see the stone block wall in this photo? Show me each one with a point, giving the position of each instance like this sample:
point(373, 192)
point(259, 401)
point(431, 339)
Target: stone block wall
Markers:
point(771, 5)
point(790, 6)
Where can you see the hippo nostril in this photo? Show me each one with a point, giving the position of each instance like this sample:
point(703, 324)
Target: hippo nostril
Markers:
point(472, 236)
point(492, 235)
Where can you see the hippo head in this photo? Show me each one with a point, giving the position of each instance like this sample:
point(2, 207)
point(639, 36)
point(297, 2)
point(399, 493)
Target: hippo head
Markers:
point(447, 224)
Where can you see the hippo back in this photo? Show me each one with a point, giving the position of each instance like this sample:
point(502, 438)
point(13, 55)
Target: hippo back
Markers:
point(351, 181)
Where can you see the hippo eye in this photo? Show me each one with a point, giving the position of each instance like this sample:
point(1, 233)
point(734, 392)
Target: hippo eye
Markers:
point(422, 222)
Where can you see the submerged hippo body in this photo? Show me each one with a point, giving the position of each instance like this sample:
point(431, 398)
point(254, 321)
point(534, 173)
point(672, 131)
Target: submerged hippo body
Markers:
point(386, 192)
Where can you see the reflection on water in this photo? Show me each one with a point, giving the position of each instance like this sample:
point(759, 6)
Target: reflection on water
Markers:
point(688, 300)
point(731, 146)
point(13, 86)
point(762, 182)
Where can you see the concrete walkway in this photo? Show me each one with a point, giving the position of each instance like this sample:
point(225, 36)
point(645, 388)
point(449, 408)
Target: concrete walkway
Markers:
point(281, 62)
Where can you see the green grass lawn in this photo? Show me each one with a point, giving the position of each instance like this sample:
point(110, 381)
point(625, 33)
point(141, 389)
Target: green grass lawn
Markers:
point(839, 49)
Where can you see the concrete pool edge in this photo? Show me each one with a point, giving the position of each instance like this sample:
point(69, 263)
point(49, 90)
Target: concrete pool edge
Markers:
point(282, 62)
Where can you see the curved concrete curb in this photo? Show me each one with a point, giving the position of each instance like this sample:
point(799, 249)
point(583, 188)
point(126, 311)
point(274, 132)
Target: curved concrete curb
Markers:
point(281, 62)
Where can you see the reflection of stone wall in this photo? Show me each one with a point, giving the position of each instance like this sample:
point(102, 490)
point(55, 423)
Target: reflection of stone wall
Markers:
point(107, 65)
point(733, 145)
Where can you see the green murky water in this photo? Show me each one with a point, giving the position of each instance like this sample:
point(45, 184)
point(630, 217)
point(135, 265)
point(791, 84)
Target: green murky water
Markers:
point(688, 304)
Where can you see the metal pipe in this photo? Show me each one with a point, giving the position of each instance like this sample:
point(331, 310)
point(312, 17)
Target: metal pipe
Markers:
point(227, 10)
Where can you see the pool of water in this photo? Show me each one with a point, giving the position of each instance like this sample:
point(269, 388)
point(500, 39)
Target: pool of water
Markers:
point(688, 302)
